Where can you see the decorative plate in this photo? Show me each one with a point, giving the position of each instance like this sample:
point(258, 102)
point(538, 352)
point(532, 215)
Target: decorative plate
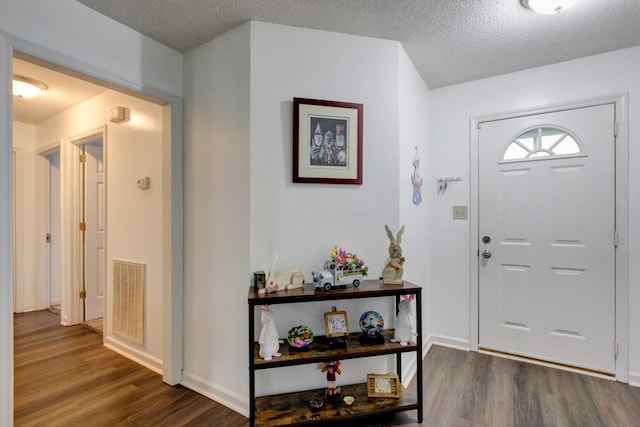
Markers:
point(371, 322)
point(300, 336)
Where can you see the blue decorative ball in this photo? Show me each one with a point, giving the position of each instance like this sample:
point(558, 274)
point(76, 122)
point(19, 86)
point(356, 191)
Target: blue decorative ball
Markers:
point(371, 322)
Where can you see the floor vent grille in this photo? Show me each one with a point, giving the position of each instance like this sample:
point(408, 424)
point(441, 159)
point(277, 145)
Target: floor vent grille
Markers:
point(128, 301)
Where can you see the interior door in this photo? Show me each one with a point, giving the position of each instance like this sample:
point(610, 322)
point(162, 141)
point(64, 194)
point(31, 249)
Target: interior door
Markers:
point(54, 237)
point(94, 274)
point(547, 237)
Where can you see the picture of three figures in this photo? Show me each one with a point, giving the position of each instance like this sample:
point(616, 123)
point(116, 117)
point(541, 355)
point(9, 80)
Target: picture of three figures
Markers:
point(328, 141)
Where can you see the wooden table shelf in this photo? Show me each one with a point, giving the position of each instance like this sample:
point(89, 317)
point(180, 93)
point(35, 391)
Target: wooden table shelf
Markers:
point(292, 409)
point(320, 351)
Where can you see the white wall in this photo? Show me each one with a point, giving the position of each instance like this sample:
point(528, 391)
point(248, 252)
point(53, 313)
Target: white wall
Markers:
point(241, 203)
point(24, 137)
point(595, 77)
point(133, 149)
point(302, 222)
point(217, 205)
point(415, 131)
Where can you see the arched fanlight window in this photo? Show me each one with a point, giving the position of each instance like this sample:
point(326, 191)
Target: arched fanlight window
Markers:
point(542, 142)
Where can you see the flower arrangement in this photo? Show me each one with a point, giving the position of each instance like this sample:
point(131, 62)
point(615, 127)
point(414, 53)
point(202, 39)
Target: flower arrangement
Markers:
point(348, 260)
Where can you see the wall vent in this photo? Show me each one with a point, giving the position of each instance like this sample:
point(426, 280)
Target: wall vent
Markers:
point(128, 301)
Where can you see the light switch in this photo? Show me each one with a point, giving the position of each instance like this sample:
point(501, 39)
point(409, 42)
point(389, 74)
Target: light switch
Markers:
point(459, 212)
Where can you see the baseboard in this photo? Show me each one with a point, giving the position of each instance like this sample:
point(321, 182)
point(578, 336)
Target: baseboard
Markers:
point(140, 357)
point(634, 379)
point(28, 308)
point(446, 341)
point(228, 398)
point(409, 369)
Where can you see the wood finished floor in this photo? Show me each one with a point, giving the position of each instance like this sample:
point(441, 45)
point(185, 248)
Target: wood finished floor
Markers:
point(65, 377)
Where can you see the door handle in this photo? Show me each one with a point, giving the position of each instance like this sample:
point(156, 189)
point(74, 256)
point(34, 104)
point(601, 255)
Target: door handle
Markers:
point(486, 254)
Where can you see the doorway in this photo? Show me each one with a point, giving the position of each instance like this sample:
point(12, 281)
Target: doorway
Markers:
point(171, 283)
point(92, 206)
point(549, 188)
point(547, 221)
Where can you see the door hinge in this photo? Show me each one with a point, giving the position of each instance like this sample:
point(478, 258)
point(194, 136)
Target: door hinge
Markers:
point(83, 294)
point(478, 125)
point(616, 349)
point(83, 158)
point(616, 238)
point(615, 128)
point(83, 226)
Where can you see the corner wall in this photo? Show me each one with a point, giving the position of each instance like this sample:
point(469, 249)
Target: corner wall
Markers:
point(241, 203)
point(217, 205)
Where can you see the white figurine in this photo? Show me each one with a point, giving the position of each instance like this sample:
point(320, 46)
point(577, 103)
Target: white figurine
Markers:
point(392, 273)
point(404, 329)
point(290, 278)
point(269, 340)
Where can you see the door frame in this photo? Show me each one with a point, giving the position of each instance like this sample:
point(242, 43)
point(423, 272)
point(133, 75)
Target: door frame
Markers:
point(18, 304)
point(75, 204)
point(173, 223)
point(621, 171)
point(6, 234)
point(43, 199)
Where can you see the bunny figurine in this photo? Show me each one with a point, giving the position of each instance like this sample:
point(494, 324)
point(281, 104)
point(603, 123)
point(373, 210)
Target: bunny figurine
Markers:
point(392, 273)
point(290, 278)
point(404, 330)
point(269, 341)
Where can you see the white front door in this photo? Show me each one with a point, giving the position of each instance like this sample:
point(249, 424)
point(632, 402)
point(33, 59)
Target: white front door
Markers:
point(546, 231)
point(94, 273)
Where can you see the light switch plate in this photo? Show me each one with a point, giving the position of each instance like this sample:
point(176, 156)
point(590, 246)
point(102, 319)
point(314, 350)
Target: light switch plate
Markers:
point(459, 212)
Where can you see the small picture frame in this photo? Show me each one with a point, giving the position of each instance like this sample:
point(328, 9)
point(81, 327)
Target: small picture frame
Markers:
point(336, 324)
point(383, 385)
point(327, 141)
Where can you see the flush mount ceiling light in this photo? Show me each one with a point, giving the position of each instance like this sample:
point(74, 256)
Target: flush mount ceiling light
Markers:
point(25, 87)
point(548, 7)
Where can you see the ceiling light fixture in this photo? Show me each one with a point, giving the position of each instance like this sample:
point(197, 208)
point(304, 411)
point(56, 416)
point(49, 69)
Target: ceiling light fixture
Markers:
point(548, 7)
point(25, 87)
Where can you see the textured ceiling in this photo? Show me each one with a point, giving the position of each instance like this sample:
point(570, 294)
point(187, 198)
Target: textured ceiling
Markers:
point(449, 41)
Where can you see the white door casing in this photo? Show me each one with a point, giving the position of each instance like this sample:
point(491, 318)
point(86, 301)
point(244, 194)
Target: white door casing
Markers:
point(6, 236)
point(548, 289)
point(94, 199)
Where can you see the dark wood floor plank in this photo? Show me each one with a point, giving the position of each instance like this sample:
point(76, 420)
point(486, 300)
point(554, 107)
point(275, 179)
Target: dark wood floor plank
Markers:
point(64, 376)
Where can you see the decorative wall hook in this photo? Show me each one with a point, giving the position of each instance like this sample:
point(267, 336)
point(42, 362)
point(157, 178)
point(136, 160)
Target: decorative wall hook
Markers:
point(443, 183)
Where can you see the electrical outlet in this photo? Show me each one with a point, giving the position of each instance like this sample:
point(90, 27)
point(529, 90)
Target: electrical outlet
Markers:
point(459, 212)
point(143, 183)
